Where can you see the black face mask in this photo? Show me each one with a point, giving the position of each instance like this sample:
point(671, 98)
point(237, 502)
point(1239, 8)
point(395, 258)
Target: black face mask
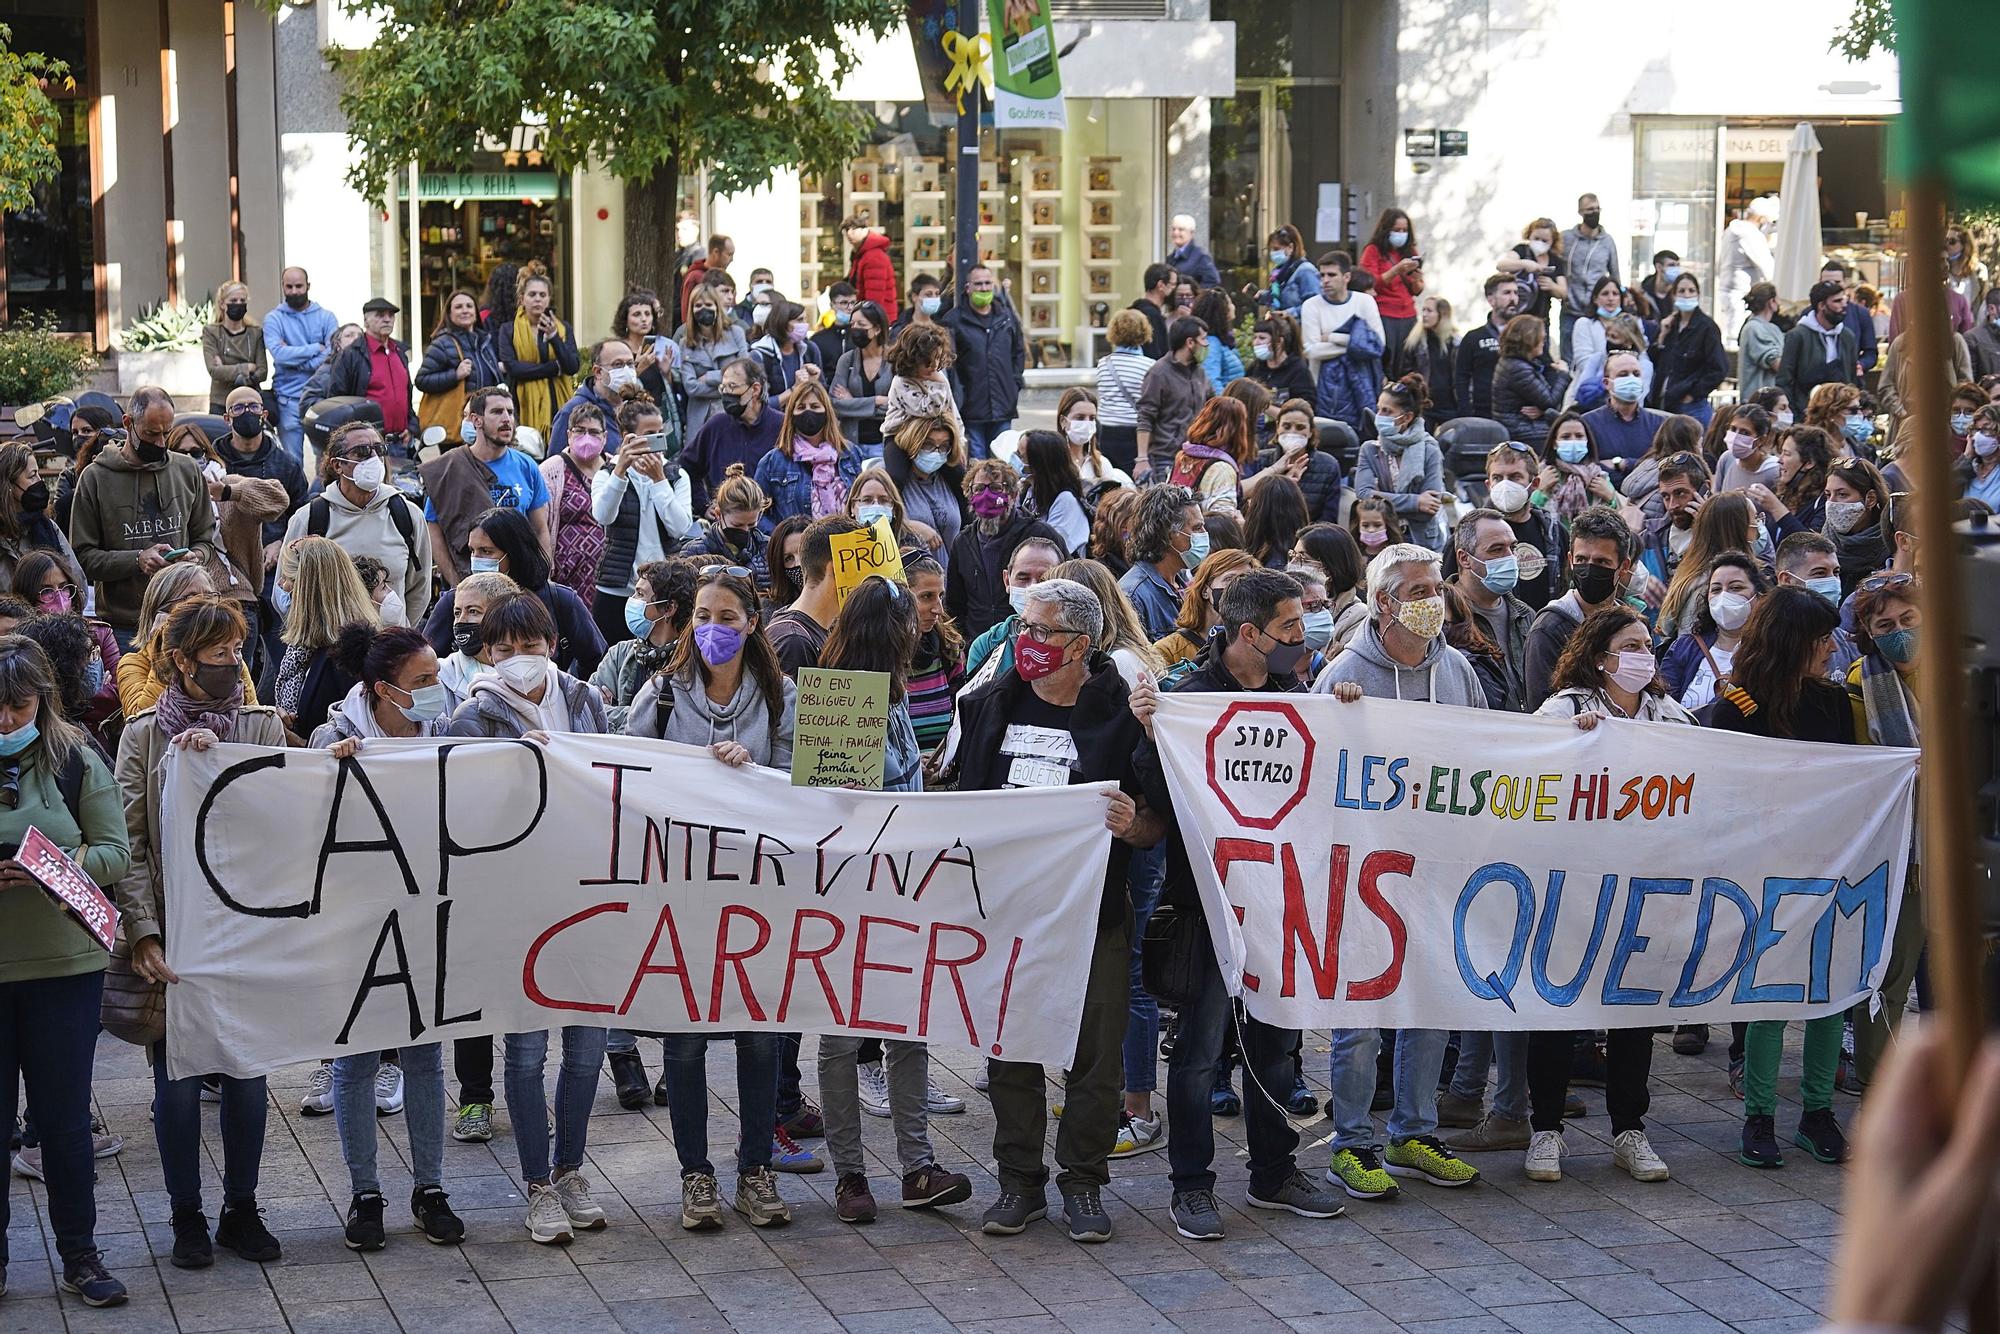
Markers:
point(217, 680)
point(704, 318)
point(1594, 583)
point(297, 300)
point(809, 423)
point(249, 425)
point(1590, 218)
point(149, 453)
point(860, 337)
point(736, 404)
point(236, 310)
point(35, 499)
point(465, 637)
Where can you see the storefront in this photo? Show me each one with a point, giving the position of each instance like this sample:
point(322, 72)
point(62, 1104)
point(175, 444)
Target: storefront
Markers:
point(470, 222)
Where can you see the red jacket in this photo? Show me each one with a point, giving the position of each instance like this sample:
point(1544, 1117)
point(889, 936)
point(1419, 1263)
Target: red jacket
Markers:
point(691, 280)
point(873, 276)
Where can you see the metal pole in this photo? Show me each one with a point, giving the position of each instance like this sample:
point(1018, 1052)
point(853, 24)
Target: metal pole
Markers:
point(965, 227)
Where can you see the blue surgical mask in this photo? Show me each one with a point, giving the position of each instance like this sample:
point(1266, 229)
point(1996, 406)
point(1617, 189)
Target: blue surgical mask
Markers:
point(1385, 424)
point(1686, 304)
point(1961, 422)
point(18, 740)
point(1319, 629)
point(636, 619)
point(929, 460)
point(426, 703)
point(868, 514)
point(1628, 388)
point(843, 316)
point(1827, 587)
point(486, 565)
point(1399, 239)
point(1673, 272)
point(1857, 429)
point(1898, 646)
point(931, 305)
point(467, 431)
point(1604, 313)
point(1572, 451)
point(1502, 574)
point(1278, 257)
point(1197, 551)
point(1018, 599)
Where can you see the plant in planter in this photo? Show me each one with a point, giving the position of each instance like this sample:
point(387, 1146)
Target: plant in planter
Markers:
point(163, 347)
point(37, 362)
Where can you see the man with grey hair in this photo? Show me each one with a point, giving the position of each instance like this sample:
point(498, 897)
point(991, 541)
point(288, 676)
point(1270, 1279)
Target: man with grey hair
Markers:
point(1168, 541)
point(1488, 573)
point(1190, 260)
point(1062, 716)
point(1399, 654)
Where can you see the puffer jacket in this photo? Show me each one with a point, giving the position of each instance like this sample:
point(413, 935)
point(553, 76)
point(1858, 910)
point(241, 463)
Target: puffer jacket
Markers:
point(1517, 384)
point(438, 374)
point(873, 274)
point(700, 367)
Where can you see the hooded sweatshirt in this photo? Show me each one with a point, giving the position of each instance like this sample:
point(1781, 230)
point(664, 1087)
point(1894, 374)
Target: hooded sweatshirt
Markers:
point(354, 716)
point(1547, 637)
point(121, 509)
point(369, 529)
point(693, 719)
point(1443, 677)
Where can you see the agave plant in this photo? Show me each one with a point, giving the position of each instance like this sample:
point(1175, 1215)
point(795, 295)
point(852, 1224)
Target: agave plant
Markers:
point(169, 328)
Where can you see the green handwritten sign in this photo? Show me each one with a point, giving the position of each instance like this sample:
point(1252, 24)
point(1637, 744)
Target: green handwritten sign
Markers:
point(841, 735)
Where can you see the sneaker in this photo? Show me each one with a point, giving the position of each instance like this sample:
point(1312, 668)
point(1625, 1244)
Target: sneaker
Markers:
point(701, 1205)
point(241, 1229)
point(1545, 1156)
point(1137, 1134)
point(1573, 1108)
point(628, 1076)
point(873, 1082)
point(104, 1144)
point(1298, 1195)
point(1846, 1079)
point(1736, 1077)
point(1760, 1143)
point(1012, 1212)
point(585, 1214)
point(1301, 1101)
point(364, 1222)
point(1493, 1133)
point(979, 1081)
point(85, 1279)
point(388, 1089)
point(757, 1198)
point(1586, 1066)
point(853, 1202)
point(1222, 1099)
point(1691, 1039)
point(211, 1088)
point(788, 1156)
point(1819, 1135)
point(939, 1103)
point(319, 1091)
point(1084, 1212)
point(1426, 1156)
point(28, 1163)
point(805, 1123)
point(548, 1221)
point(1196, 1215)
point(474, 1124)
point(1631, 1150)
point(192, 1247)
point(931, 1185)
point(1359, 1173)
point(1456, 1113)
point(430, 1207)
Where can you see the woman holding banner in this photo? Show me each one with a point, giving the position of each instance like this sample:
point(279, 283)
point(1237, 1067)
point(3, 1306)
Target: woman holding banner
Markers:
point(1781, 690)
point(51, 970)
point(723, 690)
point(201, 661)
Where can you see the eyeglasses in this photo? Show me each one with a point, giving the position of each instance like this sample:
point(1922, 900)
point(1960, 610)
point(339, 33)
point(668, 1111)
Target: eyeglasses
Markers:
point(734, 571)
point(1882, 583)
point(357, 453)
point(64, 587)
point(245, 409)
point(1046, 634)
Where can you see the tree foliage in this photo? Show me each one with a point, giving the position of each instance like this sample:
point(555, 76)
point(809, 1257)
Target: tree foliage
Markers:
point(28, 121)
point(1870, 27)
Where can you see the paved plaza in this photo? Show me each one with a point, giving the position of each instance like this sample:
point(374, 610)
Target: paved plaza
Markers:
point(1719, 1247)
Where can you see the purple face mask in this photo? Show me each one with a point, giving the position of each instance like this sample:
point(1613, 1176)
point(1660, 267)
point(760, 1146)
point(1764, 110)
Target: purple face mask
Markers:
point(990, 504)
point(718, 643)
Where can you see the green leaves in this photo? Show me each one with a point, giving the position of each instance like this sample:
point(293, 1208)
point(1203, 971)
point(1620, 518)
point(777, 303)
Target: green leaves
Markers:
point(28, 121)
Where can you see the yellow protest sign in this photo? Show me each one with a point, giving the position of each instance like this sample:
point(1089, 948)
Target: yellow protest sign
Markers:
point(862, 555)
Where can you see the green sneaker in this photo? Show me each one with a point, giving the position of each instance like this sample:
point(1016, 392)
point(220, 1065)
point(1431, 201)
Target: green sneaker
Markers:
point(1426, 1156)
point(1359, 1173)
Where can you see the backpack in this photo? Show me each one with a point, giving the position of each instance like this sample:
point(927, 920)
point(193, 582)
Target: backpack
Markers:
point(319, 517)
point(70, 783)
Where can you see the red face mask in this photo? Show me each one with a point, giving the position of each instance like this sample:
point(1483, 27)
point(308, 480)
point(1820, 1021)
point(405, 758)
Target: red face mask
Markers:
point(1034, 659)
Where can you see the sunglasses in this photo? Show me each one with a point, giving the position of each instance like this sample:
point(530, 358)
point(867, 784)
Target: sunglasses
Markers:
point(734, 571)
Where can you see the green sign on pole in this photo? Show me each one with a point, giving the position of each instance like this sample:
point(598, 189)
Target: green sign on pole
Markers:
point(1027, 89)
point(434, 185)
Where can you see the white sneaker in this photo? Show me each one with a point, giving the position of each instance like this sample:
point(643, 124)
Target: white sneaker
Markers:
point(319, 1092)
point(388, 1089)
point(548, 1221)
point(874, 1084)
point(1137, 1134)
point(1545, 1156)
point(939, 1103)
point(1632, 1151)
point(979, 1080)
point(584, 1213)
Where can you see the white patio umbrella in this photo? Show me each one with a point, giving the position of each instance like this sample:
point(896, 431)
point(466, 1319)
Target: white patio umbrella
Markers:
point(1798, 240)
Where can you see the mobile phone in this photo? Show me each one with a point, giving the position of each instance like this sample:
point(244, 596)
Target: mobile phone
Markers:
point(1417, 260)
point(176, 553)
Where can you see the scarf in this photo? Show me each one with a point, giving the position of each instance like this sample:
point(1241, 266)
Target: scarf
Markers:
point(175, 712)
point(829, 493)
point(1861, 552)
point(1892, 714)
point(535, 400)
point(1572, 493)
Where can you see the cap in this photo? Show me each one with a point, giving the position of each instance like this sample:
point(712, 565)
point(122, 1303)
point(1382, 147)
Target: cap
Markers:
point(375, 304)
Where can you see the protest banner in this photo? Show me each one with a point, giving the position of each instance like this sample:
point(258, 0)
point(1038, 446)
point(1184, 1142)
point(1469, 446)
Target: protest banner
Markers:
point(840, 729)
point(1387, 864)
point(427, 890)
point(863, 555)
point(67, 884)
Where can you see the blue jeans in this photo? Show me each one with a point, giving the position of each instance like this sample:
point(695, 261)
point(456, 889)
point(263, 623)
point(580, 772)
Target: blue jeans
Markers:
point(527, 1055)
point(1701, 410)
point(423, 1114)
point(620, 1041)
point(1142, 1030)
point(756, 1097)
point(1419, 1060)
point(177, 1131)
point(1476, 1051)
point(979, 436)
point(790, 1096)
point(291, 426)
point(1267, 1061)
point(48, 1039)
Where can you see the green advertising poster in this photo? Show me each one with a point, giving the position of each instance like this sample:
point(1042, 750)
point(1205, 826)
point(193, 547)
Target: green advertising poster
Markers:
point(1027, 89)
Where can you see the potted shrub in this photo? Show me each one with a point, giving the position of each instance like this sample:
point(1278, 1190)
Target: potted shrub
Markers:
point(37, 362)
point(163, 347)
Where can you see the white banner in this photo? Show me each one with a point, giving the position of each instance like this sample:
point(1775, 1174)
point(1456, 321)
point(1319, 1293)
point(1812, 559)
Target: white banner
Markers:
point(424, 891)
point(1418, 865)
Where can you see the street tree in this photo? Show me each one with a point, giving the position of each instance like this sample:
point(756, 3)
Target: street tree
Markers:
point(28, 122)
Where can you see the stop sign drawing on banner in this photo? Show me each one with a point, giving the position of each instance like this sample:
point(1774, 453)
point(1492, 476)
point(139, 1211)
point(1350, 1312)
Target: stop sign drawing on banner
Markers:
point(1260, 759)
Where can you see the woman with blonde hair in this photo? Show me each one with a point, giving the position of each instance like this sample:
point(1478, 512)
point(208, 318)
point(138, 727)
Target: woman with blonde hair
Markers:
point(537, 351)
point(327, 597)
point(1124, 635)
point(232, 348)
point(926, 461)
point(1121, 374)
point(811, 467)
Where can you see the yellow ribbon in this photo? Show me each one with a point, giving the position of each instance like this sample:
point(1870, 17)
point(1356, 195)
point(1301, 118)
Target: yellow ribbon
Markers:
point(969, 60)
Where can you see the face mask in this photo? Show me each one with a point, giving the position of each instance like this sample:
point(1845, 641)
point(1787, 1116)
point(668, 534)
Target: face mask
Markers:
point(54, 601)
point(426, 703)
point(468, 431)
point(1572, 451)
point(1423, 618)
point(523, 672)
point(1319, 629)
point(298, 300)
point(929, 461)
point(808, 424)
point(704, 319)
point(1399, 239)
point(1898, 646)
point(1278, 257)
point(636, 619)
point(150, 453)
point(1590, 217)
point(1983, 445)
point(18, 740)
point(586, 446)
point(235, 310)
point(1502, 574)
point(843, 317)
point(1740, 444)
point(1082, 431)
point(1197, 551)
point(1017, 598)
point(1844, 515)
point(735, 404)
point(1282, 659)
point(1607, 313)
point(758, 289)
point(931, 305)
point(368, 473)
point(248, 425)
point(1730, 610)
point(1633, 671)
point(1539, 246)
point(799, 331)
point(1261, 351)
point(1034, 659)
point(718, 643)
point(1508, 496)
point(1291, 442)
point(1384, 424)
point(1782, 418)
point(217, 680)
point(868, 514)
point(759, 316)
point(1374, 537)
point(1594, 584)
point(36, 498)
point(1628, 388)
point(1857, 429)
point(1961, 422)
point(980, 300)
point(1827, 587)
point(465, 637)
point(990, 504)
point(1686, 304)
point(622, 379)
point(1673, 272)
point(486, 565)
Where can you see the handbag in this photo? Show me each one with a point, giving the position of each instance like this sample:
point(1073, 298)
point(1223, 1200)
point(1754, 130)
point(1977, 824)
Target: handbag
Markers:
point(1170, 953)
point(446, 409)
point(133, 1010)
